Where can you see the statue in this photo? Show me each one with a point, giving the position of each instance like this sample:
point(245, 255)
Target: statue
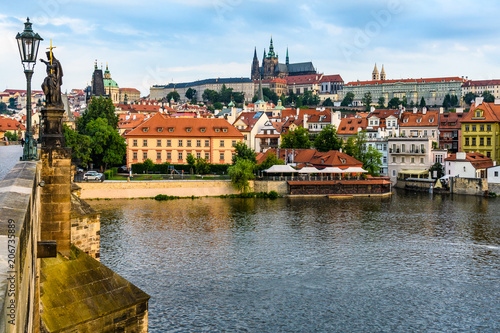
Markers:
point(51, 85)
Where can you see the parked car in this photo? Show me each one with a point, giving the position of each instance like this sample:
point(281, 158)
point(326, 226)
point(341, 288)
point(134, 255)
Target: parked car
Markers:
point(79, 170)
point(92, 175)
point(123, 168)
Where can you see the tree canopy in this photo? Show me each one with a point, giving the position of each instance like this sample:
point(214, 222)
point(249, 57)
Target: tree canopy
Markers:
point(108, 147)
point(327, 139)
point(381, 102)
point(270, 160)
point(347, 101)
point(394, 103)
point(469, 98)
point(298, 139)
point(367, 100)
point(358, 148)
point(328, 102)
point(99, 107)
point(422, 102)
point(488, 97)
point(191, 94)
point(242, 151)
point(175, 95)
point(241, 172)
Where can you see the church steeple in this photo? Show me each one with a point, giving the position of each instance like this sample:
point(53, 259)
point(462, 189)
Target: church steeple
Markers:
point(261, 94)
point(382, 74)
point(271, 53)
point(287, 59)
point(255, 72)
point(375, 75)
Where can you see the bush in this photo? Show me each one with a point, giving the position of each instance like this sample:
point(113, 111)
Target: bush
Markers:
point(164, 197)
point(273, 195)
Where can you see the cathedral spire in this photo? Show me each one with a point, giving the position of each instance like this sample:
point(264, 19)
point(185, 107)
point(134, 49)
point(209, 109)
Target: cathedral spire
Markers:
point(287, 59)
point(260, 98)
point(255, 53)
point(382, 73)
point(375, 75)
point(271, 49)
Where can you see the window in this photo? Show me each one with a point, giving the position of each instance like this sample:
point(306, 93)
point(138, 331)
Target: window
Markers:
point(466, 141)
point(179, 157)
point(198, 143)
point(488, 128)
point(488, 141)
point(222, 156)
point(188, 143)
point(394, 173)
point(439, 159)
point(421, 160)
point(478, 114)
point(221, 144)
point(158, 143)
point(134, 155)
point(169, 155)
point(413, 160)
point(169, 143)
point(170, 129)
point(158, 155)
point(207, 156)
point(393, 159)
point(466, 128)
point(134, 143)
point(481, 128)
point(481, 141)
point(496, 173)
point(473, 141)
point(188, 129)
point(145, 143)
point(180, 143)
point(403, 147)
point(488, 154)
point(384, 160)
point(203, 129)
point(145, 155)
point(246, 137)
point(402, 159)
point(473, 128)
point(233, 143)
point(198, 155)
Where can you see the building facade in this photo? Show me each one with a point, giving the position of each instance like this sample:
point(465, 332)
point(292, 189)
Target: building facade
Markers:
point(171, 140)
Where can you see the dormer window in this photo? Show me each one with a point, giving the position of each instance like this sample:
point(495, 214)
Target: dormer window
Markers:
point(478, 114)
point(343, 160)
point(145, 129)
point(171, 129)
point(160, 129)
point(188, 129)
point(419, 120)
point(224, 130)
point(203, 129)
point(431, 120)
point(217, 130)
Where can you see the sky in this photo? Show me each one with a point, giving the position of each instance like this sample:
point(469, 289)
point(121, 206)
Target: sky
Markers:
point(162, 41)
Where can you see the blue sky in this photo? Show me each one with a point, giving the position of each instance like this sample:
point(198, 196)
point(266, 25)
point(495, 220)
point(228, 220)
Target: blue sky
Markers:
point(160, 41)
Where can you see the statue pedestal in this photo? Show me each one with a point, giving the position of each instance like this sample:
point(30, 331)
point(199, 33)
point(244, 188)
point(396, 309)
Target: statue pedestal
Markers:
point(52, 136)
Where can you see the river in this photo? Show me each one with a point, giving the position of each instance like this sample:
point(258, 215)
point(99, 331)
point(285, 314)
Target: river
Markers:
point(411, 262)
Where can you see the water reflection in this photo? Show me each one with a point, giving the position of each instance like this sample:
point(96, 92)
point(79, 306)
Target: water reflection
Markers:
point(411, 262)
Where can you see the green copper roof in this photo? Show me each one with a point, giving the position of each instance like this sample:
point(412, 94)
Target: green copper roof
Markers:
point(110, 83)
point(231, 104)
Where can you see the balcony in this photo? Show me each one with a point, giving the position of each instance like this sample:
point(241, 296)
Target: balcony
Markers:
point(409, 152)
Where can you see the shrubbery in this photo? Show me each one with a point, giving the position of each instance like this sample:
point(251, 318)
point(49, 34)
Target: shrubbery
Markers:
point(140, 168)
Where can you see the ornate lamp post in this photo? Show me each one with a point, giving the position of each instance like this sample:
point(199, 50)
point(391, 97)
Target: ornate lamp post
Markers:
point(28, 43)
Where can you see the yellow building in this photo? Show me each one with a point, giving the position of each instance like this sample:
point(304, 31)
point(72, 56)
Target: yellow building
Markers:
point(481, 131)
point(111, 87)
point(163, 139)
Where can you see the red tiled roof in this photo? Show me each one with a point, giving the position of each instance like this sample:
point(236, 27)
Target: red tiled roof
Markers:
point(312, 157)
point(450, 120)
point(384, 113)
point(477, 83)
point(491, 114)
point(410, 119)
point(7, 124)
point(303, 79)
point(332, 78)
point(349, 126)
point(478, 161)
point(427, 80)
point(160, 125)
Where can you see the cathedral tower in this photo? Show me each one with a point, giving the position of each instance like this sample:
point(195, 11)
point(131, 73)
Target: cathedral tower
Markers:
point(270, 62)
point(375, 75)
point(255, 74)
point(382, 74)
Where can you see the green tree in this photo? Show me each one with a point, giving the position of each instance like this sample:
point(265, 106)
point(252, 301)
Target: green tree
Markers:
point(108, 147)
point(148, 164)
point(241, 172)
point(191, 94)
point(12, 103)
point(381, 103)
point(394, 103)
point(447, 101)
point(298, 139)
point(271, 95)
point(358, 148)
point(404, 102)
point(372, 161)
point(328, 102)
point(469, 98)
point(422, 102)
point(488, 97)
point(191, 161)
point(270, 160)
point(80, 145)
point(437, 167)
point(100, 107)
point(454, 100)
point(367, 100)
point(328, 139)
point(211, 96)
point(175, 95)
point(202, 166)
point(225, 94)
point(218, 106)
point(3, 107)
point(11, 136)
point(239, 97)
point(349, 97)
point(349, 146)
point(243, 152)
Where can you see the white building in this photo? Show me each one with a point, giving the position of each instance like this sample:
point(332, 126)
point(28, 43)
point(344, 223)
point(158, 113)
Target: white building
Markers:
point(467, 165)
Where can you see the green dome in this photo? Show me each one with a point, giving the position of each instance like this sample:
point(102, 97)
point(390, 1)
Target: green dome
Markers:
point(110, 83)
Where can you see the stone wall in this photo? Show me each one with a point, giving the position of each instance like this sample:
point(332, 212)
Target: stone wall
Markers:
point(148, 189)
point(19, 227)
point(85, 227)
point(494, 188)
point(267, 186)
point(469, 186)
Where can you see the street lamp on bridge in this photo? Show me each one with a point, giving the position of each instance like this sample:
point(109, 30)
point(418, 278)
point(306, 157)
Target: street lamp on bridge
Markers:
point(28, 43)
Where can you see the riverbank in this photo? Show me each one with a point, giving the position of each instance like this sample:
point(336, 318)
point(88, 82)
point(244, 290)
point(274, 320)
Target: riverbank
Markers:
point(149, 189)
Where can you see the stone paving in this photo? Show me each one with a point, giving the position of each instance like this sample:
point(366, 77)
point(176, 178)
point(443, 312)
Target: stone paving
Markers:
point(9, 156)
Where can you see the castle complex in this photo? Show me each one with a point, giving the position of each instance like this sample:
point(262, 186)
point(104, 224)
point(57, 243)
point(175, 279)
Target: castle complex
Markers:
point(271, 68)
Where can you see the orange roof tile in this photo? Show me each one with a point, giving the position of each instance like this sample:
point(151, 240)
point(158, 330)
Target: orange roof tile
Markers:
point(349, 126)
point(410, 119)
point(426, 80)
point(478, 161)
point(7, 124)
point(491, 113)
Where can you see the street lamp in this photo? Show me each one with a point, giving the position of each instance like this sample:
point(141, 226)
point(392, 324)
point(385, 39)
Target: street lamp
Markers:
point(28, 43)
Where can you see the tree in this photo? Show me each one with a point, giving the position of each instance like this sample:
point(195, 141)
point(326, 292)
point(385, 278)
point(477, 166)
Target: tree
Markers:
point(488, 97)
point(454, 100)
point(381, 102)
point(270, 160)
point(225, 94)
point(241, 172)
point(447, 101)
point(422, 102)
point(328, 102)
point(239, 97)
point(347, 101)
point(175, 95)
point(349, 146)
point(218, 106)
point(191, 94)
point(437, 167)
point(242, 151)
point(327, 139)
point(367, 100)
point(191, 161)
point(368, 155)
point(148, 164)
point(108, 147)
point(469, 98)
point(98, 108)
point(404, 102)
point(12, 103)
point(80, 146)
point(271, 95)
point(394, 103)
point(202, 167)
point(3, 107)
point(11, 136)
point(298, 139)
point(372, 161)
point(210, 96)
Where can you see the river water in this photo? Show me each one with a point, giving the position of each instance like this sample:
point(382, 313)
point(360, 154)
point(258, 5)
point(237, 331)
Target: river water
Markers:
point(412, 262)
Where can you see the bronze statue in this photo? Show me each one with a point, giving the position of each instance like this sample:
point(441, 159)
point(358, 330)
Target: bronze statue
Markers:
point(51, 85)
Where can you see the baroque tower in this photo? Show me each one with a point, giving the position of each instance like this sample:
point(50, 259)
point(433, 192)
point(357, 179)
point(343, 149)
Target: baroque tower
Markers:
point(270, 62)
point(382, 74)
point(375, 75)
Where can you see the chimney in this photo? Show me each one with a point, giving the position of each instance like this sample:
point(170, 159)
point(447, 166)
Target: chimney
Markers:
point(372, 108)
point(415, 110)
point(479, 101)
point(460, 110)
point(441, 110)
point(497, 101)
point(424, 110)
point(461, 155)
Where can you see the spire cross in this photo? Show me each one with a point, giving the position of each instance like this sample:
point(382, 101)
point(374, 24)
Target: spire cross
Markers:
point(51, 57)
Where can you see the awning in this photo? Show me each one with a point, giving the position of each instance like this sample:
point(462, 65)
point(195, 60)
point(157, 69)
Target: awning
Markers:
point(414, 172)
point(309, 170)
point(331, 170)
point(280, 169)
point(354, 170)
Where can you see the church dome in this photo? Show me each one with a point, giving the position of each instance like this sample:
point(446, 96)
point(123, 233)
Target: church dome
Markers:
point(110, 83)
